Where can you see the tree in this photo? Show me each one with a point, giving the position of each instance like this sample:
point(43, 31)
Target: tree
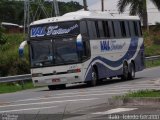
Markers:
point(13, 10)
point(137, 7)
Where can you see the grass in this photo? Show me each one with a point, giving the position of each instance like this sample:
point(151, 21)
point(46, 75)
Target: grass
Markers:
point(154, 63)
point(152, 42)
point(14, 87)
point(10, 63)
point(152, 50)
point(144, 93)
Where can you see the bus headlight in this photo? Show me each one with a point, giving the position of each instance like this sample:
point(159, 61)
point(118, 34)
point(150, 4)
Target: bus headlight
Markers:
point(37, 75)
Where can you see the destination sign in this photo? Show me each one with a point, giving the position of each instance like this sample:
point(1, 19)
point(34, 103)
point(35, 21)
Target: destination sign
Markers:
point(54, 30)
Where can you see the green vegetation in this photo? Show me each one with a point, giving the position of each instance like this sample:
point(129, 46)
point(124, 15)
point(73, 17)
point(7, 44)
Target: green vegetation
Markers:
point(2, 37)
point(137, 7)
point(154, 63)
point(152, 41)
point(10, 63)
point(143, 93)
point(13, 87)
point(13, 10)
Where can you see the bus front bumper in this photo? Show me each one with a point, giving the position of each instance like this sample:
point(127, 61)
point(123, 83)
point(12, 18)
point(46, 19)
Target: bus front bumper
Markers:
point(57, 79)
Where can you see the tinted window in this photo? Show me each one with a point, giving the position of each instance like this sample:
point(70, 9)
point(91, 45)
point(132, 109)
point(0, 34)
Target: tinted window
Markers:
point(101, 29)
point(106, 29)
point(131, 27)
point(117, 29)
point(139, 28)
point(65, 51)
point(97, 29)
point(128, 32)
point(135, 28)
point(113, 29)
point(91, 30)
point(41, 53)
point(83, 28)
point(123, 29)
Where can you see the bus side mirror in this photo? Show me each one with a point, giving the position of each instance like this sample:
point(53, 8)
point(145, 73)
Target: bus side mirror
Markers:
point(79, 42)
point(21, 48)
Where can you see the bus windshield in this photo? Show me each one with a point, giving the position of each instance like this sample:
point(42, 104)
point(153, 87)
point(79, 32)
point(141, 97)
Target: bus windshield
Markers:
point(54, 52)
point(54, 43)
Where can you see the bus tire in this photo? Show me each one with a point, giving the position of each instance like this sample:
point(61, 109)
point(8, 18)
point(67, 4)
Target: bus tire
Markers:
point(125, 72)
point(54, 87)
point(94, 77)
point(51, 87)
point(131, 74)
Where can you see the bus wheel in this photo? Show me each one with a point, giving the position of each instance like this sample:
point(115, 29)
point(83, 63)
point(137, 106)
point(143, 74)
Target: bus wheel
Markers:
point(94, 77)
point(54, 87)
point(51, 87)
point(125, 72)
point(131, 74)
point(62, 86)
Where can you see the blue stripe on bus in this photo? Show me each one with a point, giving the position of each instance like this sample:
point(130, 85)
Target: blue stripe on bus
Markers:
point(130, 53)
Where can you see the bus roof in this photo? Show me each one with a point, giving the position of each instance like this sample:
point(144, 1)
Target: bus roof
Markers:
point(83, 15)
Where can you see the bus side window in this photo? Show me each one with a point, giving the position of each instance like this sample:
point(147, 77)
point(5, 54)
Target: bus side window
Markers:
point(135, 28)
point(83, 29)
point(117, 29)
point(139, 28)
point(97, 29)
point(132, 30)
point(106, 29)
point(128, 31)
point(91, 29)
point(101, 29)
point(123, 28)
point(111, 29)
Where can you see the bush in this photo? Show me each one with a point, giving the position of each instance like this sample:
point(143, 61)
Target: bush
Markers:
point(10, 63)
point(3, 39)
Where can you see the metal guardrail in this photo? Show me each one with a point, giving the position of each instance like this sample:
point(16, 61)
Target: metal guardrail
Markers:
point(28, 76)
point(15, 78)
point(152, 58)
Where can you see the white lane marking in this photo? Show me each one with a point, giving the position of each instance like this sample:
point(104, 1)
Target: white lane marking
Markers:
point(42, 98)
point(50, 102)
point(117, 110)
point(27, 109)
point(118, 89)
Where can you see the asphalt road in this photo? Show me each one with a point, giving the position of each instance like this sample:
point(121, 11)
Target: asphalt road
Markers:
point(76, 101)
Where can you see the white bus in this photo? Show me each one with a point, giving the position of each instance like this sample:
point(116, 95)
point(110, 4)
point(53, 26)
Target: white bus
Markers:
point(85, 47)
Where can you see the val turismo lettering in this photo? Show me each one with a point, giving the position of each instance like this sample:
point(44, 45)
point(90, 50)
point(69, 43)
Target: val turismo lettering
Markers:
point(38, 31)
point(111, 45)
point(51, 30)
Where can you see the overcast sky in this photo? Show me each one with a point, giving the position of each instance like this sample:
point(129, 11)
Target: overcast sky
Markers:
point(111, 7)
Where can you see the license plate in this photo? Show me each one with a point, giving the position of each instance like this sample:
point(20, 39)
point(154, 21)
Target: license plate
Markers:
point(55, 80)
